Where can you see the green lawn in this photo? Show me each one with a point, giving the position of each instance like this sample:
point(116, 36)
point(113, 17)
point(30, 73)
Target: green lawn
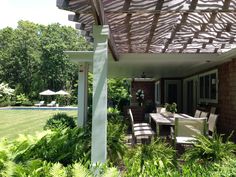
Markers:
point(14, 122)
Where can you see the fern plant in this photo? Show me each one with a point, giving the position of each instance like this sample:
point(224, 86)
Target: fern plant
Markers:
point(116, 146)
point(210, 149)
point(150, 160)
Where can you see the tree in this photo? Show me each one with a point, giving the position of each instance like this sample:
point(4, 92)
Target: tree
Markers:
point(56, 71)
point(118, 92)
point(21, 60)
point(32, 58)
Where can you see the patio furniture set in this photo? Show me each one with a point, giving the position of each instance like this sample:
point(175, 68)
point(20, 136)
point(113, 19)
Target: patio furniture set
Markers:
point(183, 128)
point(42, 103)
point(50, 93)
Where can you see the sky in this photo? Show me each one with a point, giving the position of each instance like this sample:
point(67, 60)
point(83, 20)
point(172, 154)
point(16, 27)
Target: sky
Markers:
point(37, 11)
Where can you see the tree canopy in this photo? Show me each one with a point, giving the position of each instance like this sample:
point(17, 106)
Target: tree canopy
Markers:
point(32, 58)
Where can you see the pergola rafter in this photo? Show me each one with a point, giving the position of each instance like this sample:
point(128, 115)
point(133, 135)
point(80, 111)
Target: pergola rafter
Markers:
point(160, 26)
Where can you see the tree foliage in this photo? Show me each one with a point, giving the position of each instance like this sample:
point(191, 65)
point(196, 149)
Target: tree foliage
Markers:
point(32, 58)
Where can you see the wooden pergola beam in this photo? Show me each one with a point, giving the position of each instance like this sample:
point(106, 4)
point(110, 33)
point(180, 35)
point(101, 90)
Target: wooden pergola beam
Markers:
point(176, 29)
point(62, 4)
point(128, 28)
point(80, 26)
point(186, 44)
point(226, 5)
point(99, 14)
point(74, 17)
point(154, 24)
point(210, 26)
point(127, 23)
point(168, 11)
point(183, 21)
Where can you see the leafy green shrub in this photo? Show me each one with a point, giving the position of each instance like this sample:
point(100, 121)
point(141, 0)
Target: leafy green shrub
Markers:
point(116, 146)
point(210, 150)
point(4, 154)
point(61, 145)
point(4, 103)
point(60, 120)
point(116, 130)
point(118, 92)
point(150, 160)
point(100, 170)
point(225, 168)
point(27, 103)
point(113, 112)
point(37, 167)
point(5, 93)
point(20, 99)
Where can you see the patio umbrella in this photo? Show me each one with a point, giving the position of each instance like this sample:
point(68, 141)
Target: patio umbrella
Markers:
point(47, 92)
point(63, 101)
point(62, 92)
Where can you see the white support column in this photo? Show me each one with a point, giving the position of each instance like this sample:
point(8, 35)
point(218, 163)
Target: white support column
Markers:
point(99, 120)
point(82, 94)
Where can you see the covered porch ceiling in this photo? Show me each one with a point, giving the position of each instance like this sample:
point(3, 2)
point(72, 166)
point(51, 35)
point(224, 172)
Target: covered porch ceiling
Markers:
point(163, 38)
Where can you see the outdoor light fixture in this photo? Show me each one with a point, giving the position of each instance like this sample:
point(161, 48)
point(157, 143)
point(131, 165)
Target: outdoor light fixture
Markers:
point(143, 75)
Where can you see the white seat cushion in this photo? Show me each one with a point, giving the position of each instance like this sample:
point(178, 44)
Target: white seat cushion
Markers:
point(142, 128)
point(144, 133)
point(141, 124)
point(185, 140)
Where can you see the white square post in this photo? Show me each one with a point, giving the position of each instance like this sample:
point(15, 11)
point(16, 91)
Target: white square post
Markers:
point(99, 119)
point(82, 94)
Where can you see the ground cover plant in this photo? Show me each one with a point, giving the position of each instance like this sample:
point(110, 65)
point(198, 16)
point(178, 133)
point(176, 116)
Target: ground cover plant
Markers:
point(155, 159)
point(61, 147)
point(65, 150)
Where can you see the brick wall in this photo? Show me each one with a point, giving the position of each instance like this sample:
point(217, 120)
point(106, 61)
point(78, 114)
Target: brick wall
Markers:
point(147, 87)
point(227, 98)
point(149, 97)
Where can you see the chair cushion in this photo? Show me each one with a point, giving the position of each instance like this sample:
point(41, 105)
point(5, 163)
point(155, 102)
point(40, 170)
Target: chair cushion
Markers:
point(144, 133)
point(141, 124)
point(185, 140)
point(142, 128)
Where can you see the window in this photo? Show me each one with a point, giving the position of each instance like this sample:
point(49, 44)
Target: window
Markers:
point(208, 87)
point(157, 93)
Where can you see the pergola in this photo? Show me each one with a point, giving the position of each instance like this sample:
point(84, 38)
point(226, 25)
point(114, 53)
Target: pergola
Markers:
point(178, 35)
point(159, 26)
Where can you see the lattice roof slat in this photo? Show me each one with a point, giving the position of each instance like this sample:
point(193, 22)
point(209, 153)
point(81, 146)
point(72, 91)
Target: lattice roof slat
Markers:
point(162, 26)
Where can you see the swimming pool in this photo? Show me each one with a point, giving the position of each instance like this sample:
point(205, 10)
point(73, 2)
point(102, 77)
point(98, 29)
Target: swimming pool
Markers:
point(40, 108)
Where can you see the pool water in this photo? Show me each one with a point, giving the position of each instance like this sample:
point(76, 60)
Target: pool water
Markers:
point(40, 108)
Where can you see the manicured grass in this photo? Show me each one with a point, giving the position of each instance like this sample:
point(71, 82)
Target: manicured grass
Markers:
point(14, 122)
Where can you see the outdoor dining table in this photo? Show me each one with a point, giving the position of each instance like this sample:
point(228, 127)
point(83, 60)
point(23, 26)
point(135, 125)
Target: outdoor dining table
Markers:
point(162, 119)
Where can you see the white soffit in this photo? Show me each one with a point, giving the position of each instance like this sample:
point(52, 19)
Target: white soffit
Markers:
point(132, 65)
point(165, 65)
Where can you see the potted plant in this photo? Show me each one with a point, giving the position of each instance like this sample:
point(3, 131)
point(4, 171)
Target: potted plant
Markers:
point(171, 108)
